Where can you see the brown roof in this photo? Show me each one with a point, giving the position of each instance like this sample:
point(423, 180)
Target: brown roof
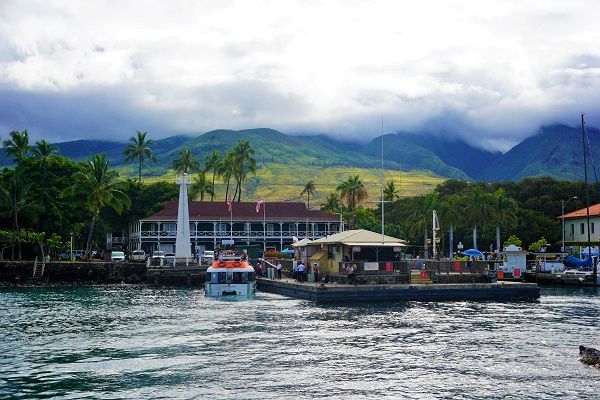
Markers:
point(594, 212)
point(244, 211)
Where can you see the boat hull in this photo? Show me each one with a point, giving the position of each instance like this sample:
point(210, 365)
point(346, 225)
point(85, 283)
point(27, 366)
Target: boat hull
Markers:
point(229, 289)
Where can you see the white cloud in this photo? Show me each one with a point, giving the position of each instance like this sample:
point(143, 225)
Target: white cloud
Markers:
point(501, 68)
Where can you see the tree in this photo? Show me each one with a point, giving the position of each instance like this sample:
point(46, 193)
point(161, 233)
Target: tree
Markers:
point(16, 197)
point(352, 191)
point(186, 162)
point(503, 212)
point(214, 163)
point(244, 163)
point(332, 203)
point(200, 186)
point(477, 207)
point(309, 189)
point(227, 171)
point(390, 193)
point(450, 214)
point(419, 220)
point(139, 148)
point(43, 152)
point(17, 146)
point(101, 188)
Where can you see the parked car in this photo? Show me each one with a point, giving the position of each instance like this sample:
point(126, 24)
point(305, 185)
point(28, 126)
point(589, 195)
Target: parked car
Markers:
point(137, 256)
point(77, 255)
point(117, 256)
point(208, 256)
point(158, 254)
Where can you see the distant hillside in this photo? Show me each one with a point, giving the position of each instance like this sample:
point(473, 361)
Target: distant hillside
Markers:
point(555, 151)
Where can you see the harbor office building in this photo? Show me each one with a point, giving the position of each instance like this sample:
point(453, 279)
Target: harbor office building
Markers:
point(576, 230)
point(274, 226)
point(359, 247)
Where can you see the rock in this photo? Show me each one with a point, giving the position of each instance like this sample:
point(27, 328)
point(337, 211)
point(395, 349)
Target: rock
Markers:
point(589, 356)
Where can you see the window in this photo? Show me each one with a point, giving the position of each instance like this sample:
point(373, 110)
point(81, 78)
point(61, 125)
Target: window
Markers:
point(270, 229)
point(582, 228)
point(222, 227)
point(592, 228)
point(572, 230)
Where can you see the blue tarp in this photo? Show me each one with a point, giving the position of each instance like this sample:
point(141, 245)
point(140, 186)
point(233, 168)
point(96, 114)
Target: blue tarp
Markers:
point(578, 262)
point(472, 253)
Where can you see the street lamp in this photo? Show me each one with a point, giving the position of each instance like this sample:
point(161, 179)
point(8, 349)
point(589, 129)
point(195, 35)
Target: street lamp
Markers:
point(563, 204)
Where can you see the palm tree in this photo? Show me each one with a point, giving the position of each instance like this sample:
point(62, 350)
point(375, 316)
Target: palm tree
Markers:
point(43, 152)
point(332, 203)
point(100, 186)
point(477, 207)
point(16, 197)
point(450, 213)
point(504, 212)
point(139, 148)
point(352, 191)
point(227, 171)
point(420, 219)
point(18, 145)
point(244, 163)
point(200, 186)
point(390, 193)
point(186, 162)
point(213, 163)
point(309, 189)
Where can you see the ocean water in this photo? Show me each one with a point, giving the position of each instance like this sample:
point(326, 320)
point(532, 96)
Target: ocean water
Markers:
point(132, 342)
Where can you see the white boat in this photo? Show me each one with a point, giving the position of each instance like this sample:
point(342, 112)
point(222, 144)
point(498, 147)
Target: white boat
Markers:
point(230, 276)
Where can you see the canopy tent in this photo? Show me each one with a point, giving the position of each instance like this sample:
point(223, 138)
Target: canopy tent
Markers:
point(301, 243)
point(472, 253)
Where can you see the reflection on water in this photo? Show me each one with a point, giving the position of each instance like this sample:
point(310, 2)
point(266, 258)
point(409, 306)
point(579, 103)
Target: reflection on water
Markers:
point(144, 342)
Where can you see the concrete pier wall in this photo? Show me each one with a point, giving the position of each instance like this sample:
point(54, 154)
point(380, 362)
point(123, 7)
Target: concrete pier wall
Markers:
point(21, 272)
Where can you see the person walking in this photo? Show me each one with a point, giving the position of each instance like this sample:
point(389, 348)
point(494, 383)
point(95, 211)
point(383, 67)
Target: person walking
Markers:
point(351, 275)
point(278, 268)
point(301, 272)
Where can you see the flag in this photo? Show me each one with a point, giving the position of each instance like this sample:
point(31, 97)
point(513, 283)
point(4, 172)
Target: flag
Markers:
point(260, 203)
point(229, 205)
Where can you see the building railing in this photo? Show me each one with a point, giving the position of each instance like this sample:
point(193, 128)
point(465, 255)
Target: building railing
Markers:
point(235, 234)
point(427, 269)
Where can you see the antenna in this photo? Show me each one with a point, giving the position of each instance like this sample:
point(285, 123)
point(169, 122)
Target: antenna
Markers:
point(382, 185)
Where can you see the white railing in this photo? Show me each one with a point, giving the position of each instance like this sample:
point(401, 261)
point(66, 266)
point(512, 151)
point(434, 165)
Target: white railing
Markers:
point(235, 234)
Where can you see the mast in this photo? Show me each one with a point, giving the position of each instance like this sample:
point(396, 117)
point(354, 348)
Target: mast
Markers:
point(587, 200)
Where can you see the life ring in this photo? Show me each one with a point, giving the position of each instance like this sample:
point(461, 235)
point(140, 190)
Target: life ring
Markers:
point(237, 264)
point(221, 264)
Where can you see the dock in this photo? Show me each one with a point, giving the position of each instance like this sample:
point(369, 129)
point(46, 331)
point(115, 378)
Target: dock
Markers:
point(191, 276)
point(338, 293)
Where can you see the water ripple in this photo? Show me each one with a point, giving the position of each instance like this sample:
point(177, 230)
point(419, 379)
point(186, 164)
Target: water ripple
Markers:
point(120, 342)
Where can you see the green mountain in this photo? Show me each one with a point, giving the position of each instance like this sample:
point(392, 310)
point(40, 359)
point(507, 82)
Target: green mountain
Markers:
point(555, 151)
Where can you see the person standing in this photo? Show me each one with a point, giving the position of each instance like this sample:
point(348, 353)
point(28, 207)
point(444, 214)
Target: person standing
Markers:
point(301, 272)
point(316, 272)
point(279, 267)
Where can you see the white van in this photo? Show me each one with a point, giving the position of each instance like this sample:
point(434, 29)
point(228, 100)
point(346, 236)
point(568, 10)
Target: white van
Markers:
point(208, 256)
point(117, 256)
point(138, 256)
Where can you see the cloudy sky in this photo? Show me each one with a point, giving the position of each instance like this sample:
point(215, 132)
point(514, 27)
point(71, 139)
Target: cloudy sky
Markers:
point(493, 71)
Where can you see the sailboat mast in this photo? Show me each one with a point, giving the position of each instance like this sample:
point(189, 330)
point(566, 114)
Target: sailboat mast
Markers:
point(587, 199)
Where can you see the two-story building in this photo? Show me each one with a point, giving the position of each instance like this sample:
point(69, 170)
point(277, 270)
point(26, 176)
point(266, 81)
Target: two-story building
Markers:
point(274, 226)
point(576, 232)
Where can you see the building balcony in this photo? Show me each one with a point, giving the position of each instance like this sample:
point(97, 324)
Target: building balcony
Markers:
point(234, 234)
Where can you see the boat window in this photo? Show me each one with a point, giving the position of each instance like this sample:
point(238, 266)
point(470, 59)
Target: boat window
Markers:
point(229, 276)
point(237, 277)
point(214, 277)
point(222, 277)
point(250, 276)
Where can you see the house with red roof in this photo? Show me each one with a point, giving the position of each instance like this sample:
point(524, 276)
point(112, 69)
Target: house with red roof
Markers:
point(576, 231)
point(270, 224)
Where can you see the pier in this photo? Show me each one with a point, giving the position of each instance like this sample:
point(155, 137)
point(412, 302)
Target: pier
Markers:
point(336, 293)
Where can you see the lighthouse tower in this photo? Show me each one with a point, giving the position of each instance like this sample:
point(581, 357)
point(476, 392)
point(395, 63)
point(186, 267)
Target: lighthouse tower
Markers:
point(183, 243)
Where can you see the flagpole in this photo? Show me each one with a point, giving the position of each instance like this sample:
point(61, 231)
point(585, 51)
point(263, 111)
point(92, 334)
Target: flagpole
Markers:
point(264, 226)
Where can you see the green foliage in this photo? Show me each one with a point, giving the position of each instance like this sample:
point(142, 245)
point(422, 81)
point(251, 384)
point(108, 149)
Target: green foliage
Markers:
point(186, 162)
point(512, 239)
point(139, 148)
point(538, 245)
